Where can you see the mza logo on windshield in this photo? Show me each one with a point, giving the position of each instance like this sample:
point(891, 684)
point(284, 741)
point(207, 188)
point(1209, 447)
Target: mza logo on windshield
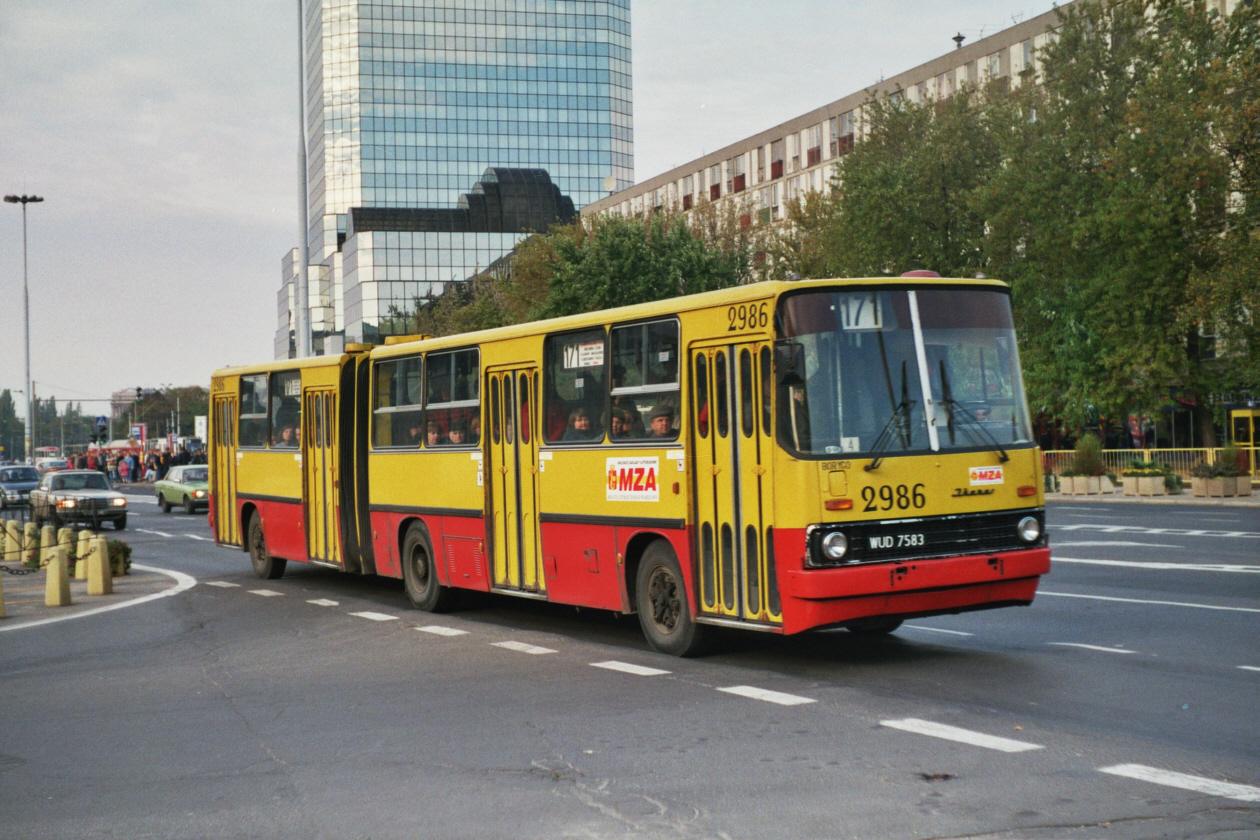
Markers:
point(633, 480)
point(986, 475)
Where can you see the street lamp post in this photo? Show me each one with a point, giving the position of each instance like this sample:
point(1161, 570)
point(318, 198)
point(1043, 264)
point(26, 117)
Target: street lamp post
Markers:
point(26, 315)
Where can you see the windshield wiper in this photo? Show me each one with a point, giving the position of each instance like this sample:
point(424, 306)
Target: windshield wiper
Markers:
point(971, 425)
point(898, 424)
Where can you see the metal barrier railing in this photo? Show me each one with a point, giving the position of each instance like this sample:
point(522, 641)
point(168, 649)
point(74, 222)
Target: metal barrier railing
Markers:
point(1179, 461)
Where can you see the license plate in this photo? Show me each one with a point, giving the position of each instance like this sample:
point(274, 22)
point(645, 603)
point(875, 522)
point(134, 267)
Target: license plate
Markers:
point(887, 541)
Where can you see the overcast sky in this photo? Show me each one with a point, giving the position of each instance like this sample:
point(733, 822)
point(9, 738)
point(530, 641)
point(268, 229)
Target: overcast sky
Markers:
point(163, 136)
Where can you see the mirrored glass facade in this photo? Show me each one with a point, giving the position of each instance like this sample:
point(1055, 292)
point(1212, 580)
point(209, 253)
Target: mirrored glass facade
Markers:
point(410, 103)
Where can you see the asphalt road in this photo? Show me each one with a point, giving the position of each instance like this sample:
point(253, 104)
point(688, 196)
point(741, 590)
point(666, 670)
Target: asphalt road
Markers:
point(1122, 704)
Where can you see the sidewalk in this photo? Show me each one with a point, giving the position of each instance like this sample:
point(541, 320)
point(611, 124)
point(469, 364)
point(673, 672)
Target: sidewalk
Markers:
point(1252, 501)
point(24, 594)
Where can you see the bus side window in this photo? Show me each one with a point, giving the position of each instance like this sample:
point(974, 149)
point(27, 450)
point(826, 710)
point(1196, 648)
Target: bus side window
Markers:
point(254, 410)
point(575, 401)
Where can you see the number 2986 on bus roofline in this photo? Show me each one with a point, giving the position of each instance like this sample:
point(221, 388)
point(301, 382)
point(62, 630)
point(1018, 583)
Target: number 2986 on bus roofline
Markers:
point(776, 457)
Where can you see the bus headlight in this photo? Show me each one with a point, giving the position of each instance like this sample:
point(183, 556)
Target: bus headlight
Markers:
point(1029, 529)
point(835, 546)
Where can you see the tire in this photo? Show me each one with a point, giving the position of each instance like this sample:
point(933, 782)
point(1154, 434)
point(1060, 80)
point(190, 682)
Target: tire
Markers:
point(120, 523)
point(664, 610)
point(265, 566)
point(876, 626)
point(189, 507)
point(163, 505)
point(420, 577)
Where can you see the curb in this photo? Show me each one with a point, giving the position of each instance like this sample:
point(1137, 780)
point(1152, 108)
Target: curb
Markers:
point(1252, 501)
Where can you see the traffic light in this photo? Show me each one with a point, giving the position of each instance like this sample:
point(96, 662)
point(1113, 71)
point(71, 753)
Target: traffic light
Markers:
point(139, 393)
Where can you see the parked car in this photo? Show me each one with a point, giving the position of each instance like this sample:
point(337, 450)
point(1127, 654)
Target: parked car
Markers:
point(186, 486)
point(16, 484)
point(82, 497)
point(51, 464)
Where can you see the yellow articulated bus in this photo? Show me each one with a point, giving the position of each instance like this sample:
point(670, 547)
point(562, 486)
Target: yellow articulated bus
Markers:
point(774, 457)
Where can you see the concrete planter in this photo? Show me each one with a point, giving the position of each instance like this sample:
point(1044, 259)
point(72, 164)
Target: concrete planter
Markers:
point(1217, 488)
point(1130, 484)
point(1244, 485)
point(1151, 485)
point(1082, 485)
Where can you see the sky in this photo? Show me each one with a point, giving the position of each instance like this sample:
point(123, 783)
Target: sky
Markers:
point(163, 137)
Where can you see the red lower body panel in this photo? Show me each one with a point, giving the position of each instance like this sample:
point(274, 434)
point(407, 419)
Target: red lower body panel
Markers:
point(283, 526)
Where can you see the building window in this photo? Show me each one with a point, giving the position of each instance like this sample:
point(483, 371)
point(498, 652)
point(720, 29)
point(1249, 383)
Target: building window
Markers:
point(738, 177)
point(776, 159)
point(844, 143)
point(921, 92)
point(972, 74)
point(813, 146)
point(715, 182)
point(1026, 56)
point(794, 152)
point(687, 193)
point(761, 164)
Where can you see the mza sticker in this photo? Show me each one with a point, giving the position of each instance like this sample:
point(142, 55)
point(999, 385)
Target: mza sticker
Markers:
point(633, 480)
point(985, 475)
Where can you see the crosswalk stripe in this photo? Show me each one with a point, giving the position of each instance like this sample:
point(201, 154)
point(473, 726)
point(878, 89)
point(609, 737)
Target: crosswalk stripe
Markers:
point(439, 630)
point(222, 584)
point(375, 616)
point(629, 668)
point(963, 736)
point(1198, 784)
point(322, 602)
point(266, 593)
point(521, 647)
point(767, 695)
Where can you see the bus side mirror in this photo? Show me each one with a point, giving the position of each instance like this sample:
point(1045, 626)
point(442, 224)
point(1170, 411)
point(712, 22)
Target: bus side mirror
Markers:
point(789, 362)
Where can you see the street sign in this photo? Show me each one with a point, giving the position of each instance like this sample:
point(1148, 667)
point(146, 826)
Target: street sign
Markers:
point(102, 422)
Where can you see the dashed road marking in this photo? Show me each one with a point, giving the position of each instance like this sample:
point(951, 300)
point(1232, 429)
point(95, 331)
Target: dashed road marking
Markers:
point(522, 647)
point(628, 668)
point(964, 736)
point(1249, 668)
point(1139, 564)
point(767, 695)
point(323, 602)
point(1113, 543)
point(1092, 647)
point(222, 584)
point(1172, 532)
point(156, 533)
point(938, 630)
point(375, 616)
point(266, 593)
point(439, 630)
point(197, 538)
point(1198, 784)
point(1141, 601)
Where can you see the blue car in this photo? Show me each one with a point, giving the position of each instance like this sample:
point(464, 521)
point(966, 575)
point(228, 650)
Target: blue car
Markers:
point(16, 484)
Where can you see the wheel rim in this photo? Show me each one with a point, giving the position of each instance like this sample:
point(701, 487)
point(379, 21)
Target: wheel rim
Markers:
point(258, 545)
point(420, 568)
point(663, 596)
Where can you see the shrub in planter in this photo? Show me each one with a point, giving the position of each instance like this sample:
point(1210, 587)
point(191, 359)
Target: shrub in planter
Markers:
point(1086, 473)
point(119, 558)
point(1145, 478)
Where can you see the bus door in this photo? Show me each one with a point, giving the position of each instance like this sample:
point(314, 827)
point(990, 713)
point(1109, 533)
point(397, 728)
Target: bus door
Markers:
point(731, 393)
point(513, 475)
point(223, 472)
point(319, 476)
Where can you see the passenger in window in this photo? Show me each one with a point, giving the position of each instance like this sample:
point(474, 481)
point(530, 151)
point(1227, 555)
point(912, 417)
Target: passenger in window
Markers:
point(284, 439)
point(580, 426)
point(474, 430)
point(415, 435)
point(620, 425)
point(433, 435)
point(458, 435)
point(663, 421)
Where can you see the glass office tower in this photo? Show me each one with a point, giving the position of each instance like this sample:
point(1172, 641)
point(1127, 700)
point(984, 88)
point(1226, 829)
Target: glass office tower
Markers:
point(432, 105)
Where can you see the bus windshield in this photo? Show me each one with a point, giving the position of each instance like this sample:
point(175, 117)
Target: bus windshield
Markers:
point(853, 366)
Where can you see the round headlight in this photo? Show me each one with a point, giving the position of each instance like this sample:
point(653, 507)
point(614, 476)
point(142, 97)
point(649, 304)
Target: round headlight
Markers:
point(1029, 529)
point(835, 545)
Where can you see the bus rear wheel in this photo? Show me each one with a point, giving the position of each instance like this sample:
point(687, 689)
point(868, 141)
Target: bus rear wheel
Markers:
point(664, 609)
point(265, 566)
point(420, 577)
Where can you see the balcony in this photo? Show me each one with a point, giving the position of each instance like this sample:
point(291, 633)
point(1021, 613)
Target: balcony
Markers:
point(776, 169)
point(687, 201)
point(739, 183)
point(715, 192)
point(845, 145)
point(814, 156)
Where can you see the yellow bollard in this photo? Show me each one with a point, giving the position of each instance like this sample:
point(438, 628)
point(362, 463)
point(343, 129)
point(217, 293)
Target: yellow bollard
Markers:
point(100, 581)
point(84, 546)
point(57, 583)
point(47, 544)
point(30, 544)
point(12, 542)
point(65, 536)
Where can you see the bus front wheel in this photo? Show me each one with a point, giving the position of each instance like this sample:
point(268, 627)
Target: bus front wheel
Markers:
point(663, 605)
point(420, 577)
point(265, 566)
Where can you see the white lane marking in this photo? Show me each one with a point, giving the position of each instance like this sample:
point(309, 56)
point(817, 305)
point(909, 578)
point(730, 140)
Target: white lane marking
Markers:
point(938, 630)
point(266, 593)
point(183, 583)
point(1110, 543)
point(1138, 564)
point(628, 668)
point(1172, 532)
point(375, 616)
point(197, 538)
point(439, 630)
point(222, 584)
point(323, 602)
point(1092, 647)
point(521, 647)
point(157, 533)
point(1249, 668)
point(1198, 784)
point(1141, 601)
point(767, 695)
point(964, 736)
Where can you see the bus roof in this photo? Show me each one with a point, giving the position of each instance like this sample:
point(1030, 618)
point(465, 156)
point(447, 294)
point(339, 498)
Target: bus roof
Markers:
point(668, 306)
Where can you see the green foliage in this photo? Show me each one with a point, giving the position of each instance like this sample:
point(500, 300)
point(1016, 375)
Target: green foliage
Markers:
point(1087, 459)
point(1138, 467)
point(119, 558)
